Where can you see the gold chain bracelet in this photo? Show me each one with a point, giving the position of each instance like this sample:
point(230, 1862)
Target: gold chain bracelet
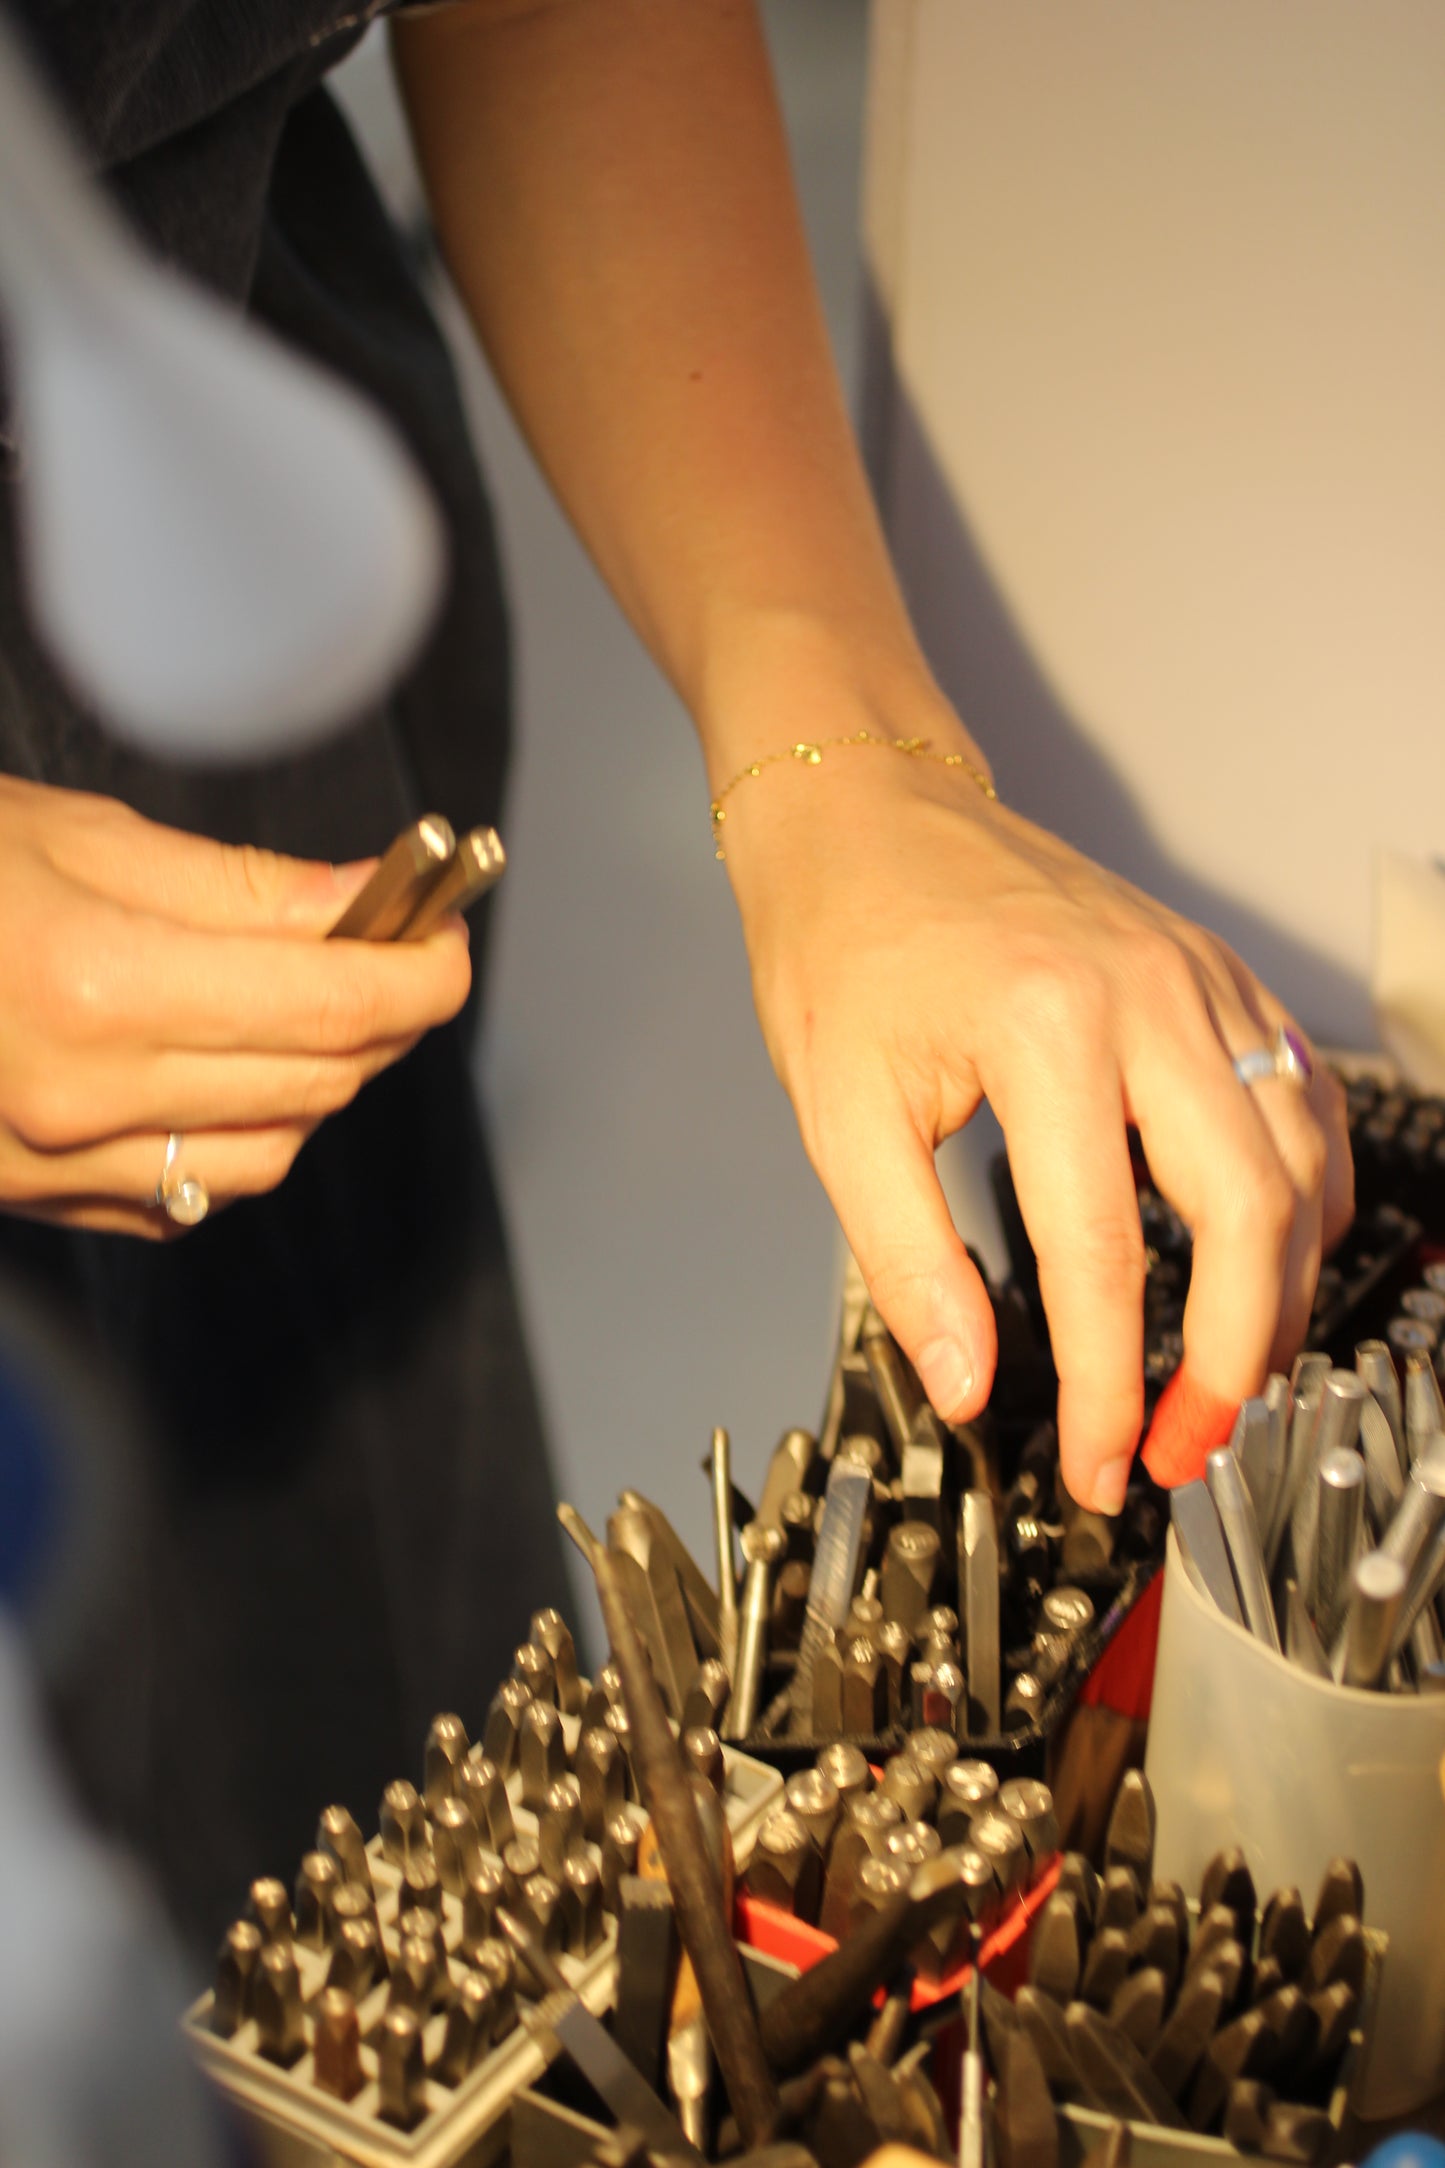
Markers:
point(811, 755)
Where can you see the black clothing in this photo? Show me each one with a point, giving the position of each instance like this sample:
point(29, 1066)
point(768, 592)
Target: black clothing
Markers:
point(351, 1514)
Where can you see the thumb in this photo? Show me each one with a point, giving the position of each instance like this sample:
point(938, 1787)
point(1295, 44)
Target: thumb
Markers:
point(236, 888)
point(880, 1174)
point(214, 887)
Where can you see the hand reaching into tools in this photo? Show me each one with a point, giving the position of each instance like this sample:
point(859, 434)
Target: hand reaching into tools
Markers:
point(647, 306)
point(916, 948)
point(153, 982)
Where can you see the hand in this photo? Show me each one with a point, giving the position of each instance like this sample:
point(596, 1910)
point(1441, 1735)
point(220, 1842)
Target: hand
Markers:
point(153, 981)
point(917, 948)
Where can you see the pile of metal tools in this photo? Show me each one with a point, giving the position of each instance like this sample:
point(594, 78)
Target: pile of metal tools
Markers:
point(1224, 2016)
point(1358, 1290)
point(579, 1936)
point(396, 1986)
point(1321, 1525)
point(840, 1846)
point(535, 1941)
point(896, 1573)
point(1397, 1138)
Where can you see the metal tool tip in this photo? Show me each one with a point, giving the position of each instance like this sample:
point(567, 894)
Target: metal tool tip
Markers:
point(580, 1533)
point(1380, 1577)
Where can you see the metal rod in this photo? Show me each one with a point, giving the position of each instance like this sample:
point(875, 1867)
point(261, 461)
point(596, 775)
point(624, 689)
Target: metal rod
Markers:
point(1301, 1642)
point(1376, 1592)
point(666, 1789)
point(885, 1368)
point(722, 1520)
point(1336, 1428)
point(1249, 1441)
point(1277, 1407)
point(1376, 1366)
point(1424, 1416)
point(1202, 1547)
point(1241, 1535)
point(1422, 1587)
point(834, 1577)
point(477, 864)
point(1339, 1517)
point(399, 886)
point(979, 1601)
point(762, 1548)
point(971, 2147)
point(1307, 1384)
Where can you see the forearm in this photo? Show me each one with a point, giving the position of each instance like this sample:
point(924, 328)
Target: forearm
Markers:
point(611, 188)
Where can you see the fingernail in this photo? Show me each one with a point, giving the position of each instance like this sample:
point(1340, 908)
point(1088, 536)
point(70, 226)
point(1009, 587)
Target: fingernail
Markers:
point(1110, 1484)
point(946, 1371)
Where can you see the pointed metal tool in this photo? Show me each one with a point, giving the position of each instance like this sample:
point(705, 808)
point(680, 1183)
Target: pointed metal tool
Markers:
point(1241, 1535)
point(667, 1792)
point(1202, 1547)
point(834, 1577)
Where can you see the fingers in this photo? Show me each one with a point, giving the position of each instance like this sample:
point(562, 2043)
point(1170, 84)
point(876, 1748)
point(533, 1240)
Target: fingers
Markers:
point(113, 1185)
point(1213, 1155)
point(112, 976)
point(217, 887)
point(1309, 1131)
point(1064, 1120)
point(879, 1171)
point(106, 1097)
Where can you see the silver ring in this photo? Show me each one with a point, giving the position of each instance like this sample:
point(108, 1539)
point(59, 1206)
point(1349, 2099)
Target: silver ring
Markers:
point(1287, 1057)
point(182, 1197)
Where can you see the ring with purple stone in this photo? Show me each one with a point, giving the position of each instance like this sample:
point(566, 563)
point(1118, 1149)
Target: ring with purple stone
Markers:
point(1288, 1057)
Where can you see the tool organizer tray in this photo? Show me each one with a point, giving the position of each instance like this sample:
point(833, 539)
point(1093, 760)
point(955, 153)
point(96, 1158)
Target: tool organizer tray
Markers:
point(1017, 1753)
point(1082, 2130)
point(554, 2118)
point(299, 2126)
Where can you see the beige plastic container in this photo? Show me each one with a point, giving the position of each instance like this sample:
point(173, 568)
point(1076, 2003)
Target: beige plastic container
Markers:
point(1245, 1748)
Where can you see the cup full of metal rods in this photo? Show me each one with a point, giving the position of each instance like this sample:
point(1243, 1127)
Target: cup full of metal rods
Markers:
point(1298, 1701)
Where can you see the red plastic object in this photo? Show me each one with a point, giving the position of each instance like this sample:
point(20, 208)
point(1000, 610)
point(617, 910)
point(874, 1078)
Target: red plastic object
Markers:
point(1003, 1956)
point(1189, 1422)
point(1123, 1678)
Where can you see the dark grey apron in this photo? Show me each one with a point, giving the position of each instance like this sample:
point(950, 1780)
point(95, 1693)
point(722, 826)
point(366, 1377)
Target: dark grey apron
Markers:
point(347, 1510)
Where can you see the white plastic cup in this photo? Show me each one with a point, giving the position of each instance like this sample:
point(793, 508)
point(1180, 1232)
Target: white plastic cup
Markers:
point(1246, 1748)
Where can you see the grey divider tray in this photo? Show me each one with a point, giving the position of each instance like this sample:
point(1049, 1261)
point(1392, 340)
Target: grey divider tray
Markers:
point(299, 2127)
point(546, 2133)
point(1081, 2129)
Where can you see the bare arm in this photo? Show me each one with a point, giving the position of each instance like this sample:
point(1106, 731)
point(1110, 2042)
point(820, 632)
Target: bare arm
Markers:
point(611, 187)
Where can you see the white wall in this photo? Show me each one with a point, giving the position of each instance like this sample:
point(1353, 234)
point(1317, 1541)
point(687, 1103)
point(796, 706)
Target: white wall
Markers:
point(1164, 457)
